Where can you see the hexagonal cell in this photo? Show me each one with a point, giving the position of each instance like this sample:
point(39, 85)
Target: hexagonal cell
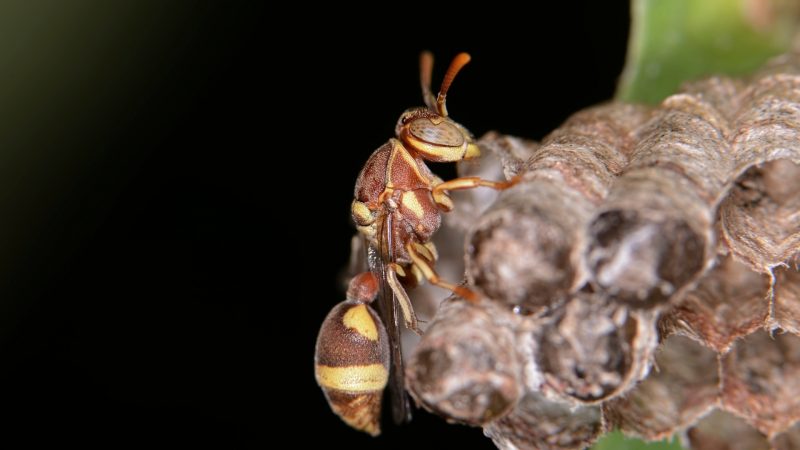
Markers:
point(465, 367)
point(759, 220)
point(787, 298)
point(788, 440)
point(731, 301)
point(724, 431)
point(683, 387)
point(540, 424)
point(761, 381)
point(591, 349)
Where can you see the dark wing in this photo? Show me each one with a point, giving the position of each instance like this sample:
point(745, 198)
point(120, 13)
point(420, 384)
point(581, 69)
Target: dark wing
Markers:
point(388, 309)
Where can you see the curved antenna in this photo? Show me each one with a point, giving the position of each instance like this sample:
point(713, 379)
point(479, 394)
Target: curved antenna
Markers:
point(425, 73)
point(458, 63)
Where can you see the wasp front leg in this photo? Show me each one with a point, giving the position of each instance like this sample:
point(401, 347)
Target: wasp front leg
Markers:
point(366, 220)
point(423, 259)
point(440, 188)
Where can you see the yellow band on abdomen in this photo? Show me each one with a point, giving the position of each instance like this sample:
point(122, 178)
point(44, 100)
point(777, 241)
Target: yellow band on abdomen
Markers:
point(372, 377)
point(359, 319)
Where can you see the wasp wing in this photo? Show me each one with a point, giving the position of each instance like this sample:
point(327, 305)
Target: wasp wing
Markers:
point(388, 308)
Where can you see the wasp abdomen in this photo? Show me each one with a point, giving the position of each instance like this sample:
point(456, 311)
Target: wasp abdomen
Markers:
point(351, 364)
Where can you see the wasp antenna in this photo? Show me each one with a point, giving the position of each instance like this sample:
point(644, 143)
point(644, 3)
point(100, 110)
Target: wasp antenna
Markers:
point(425, 71)
point(458, 63)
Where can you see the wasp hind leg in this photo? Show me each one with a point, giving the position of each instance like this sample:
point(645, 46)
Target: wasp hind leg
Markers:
point(423, 260)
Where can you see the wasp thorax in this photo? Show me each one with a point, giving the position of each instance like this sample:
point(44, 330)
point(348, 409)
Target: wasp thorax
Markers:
point(351, 364)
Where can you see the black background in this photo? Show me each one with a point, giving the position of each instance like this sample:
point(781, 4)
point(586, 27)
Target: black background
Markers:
point(167, 269)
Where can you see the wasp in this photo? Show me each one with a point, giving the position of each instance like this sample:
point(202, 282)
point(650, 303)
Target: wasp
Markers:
point(397, 208)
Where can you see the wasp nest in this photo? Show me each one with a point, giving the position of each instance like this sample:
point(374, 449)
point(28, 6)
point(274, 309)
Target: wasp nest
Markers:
point(642, 276)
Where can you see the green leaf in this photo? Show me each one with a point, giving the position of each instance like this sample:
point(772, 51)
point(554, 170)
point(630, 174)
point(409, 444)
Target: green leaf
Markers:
point(673, 41)
point(617, 441)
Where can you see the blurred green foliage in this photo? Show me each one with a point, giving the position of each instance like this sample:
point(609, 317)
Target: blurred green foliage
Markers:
point(616, 441)
point(673, 41)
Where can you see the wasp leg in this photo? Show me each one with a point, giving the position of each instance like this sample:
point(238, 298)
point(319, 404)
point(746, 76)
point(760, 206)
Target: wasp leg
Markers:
point(442, 198)
point(423, 259)
point(365, 219)
point(472, 182)
point(401, 295)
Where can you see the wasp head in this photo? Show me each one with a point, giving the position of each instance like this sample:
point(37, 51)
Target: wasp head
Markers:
point(435, 137)
point(428, 131)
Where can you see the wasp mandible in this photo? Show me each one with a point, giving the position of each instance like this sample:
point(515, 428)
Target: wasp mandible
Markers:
point(397, 208)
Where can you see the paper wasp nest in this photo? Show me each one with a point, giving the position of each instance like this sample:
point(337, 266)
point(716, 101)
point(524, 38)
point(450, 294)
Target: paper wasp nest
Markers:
point(643, 276)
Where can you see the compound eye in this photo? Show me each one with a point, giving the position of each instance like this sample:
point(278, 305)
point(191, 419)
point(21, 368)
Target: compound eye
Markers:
point(445, 133)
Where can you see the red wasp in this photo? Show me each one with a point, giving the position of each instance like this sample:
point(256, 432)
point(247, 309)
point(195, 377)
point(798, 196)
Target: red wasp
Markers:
point(397, 208)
